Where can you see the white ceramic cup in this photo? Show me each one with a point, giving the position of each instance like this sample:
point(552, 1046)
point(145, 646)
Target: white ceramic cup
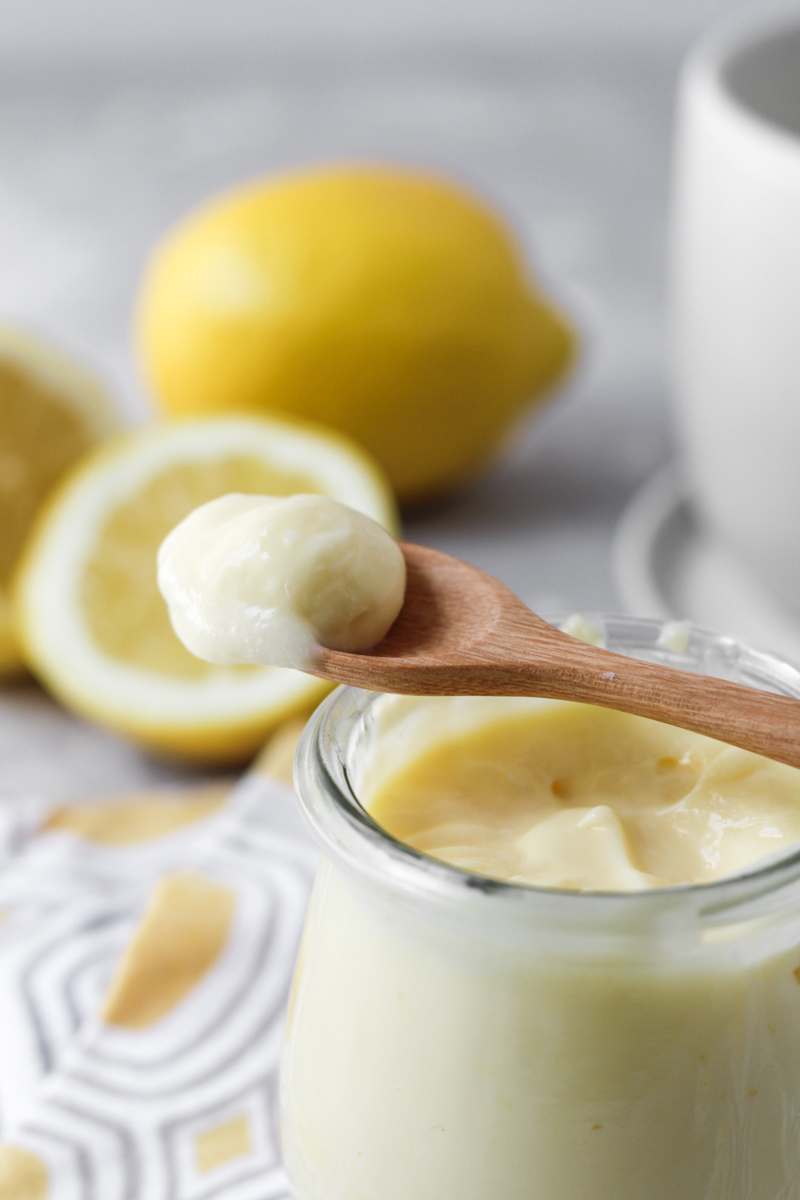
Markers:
point(736, 292)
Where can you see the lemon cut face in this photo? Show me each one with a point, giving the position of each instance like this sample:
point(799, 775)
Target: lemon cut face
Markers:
point(94, 626)
point(51, 413)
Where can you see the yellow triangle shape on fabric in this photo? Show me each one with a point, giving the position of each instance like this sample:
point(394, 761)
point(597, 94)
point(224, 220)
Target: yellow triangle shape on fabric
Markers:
point(138, 819)
point(181, 936)
point(220, 1145)
point(23, 1175)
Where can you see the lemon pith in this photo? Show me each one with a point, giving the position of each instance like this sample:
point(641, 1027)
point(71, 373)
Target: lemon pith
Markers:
point(390, 304)
point(93, 625)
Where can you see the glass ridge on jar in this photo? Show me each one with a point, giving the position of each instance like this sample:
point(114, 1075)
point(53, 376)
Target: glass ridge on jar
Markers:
point(452, 1037)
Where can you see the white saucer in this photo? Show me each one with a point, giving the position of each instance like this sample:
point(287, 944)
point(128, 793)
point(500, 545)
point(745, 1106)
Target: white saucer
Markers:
point(667, 566)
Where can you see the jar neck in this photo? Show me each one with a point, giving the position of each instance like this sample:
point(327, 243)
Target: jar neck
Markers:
point(343, 735)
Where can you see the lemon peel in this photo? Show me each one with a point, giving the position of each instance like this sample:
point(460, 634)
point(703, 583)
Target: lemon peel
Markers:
point(391, 304)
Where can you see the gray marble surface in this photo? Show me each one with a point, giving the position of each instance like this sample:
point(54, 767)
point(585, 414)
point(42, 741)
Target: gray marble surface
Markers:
point(572, 144)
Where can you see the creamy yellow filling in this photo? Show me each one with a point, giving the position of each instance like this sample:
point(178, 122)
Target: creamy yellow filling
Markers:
point(125, 611)
point(270, 580)
point(571, 796)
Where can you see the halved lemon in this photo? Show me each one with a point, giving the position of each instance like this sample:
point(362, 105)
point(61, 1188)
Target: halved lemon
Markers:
point(93, 625)
point(51, 412)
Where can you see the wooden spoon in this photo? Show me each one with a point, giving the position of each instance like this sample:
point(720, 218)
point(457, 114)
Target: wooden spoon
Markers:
point(462, 632)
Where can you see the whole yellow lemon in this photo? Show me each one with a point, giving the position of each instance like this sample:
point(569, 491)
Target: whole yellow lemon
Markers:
point(390, 304)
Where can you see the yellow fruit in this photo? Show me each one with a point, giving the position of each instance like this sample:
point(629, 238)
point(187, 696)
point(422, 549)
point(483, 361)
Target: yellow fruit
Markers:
point(51, 412)
point(93, 625)
point(392, 305)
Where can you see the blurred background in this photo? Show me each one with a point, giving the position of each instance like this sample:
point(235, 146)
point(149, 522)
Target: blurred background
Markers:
point(118, 117)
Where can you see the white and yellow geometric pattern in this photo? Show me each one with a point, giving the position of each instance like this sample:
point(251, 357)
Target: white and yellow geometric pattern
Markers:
point(146, 952)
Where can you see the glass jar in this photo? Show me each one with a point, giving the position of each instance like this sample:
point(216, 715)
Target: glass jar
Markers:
point(455, 1038)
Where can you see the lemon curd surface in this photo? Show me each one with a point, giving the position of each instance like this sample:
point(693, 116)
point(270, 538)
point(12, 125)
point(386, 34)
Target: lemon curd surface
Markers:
point(573, 796)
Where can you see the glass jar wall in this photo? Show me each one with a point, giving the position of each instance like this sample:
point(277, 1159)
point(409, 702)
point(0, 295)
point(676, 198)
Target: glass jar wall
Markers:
point(455, 1038)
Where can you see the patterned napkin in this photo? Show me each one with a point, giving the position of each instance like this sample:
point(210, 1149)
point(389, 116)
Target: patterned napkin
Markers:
point(146, 952)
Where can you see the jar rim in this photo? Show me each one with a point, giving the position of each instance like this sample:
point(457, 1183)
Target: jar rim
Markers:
point(350, 837)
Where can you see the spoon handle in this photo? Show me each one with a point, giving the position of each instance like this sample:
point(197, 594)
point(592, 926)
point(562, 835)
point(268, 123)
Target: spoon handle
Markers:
point(567, 669)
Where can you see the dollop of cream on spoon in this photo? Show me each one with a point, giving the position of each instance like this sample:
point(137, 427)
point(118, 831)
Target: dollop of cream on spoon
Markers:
point(271, 579)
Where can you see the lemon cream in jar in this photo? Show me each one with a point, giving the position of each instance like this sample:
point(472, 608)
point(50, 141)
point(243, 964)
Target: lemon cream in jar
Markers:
point(594, 997)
